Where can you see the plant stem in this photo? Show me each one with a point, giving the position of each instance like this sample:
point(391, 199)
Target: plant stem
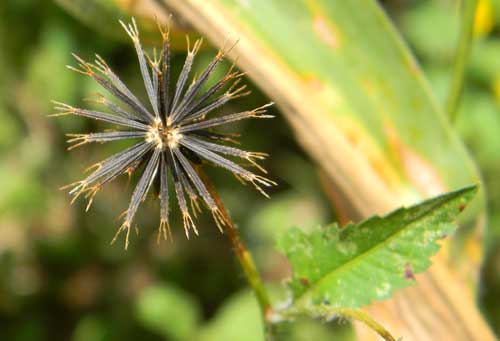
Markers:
point(329, 312)
point(245, 259)
point(461, 56)
point(366, 319)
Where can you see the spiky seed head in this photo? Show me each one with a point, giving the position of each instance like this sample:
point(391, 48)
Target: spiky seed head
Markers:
point(176, 120)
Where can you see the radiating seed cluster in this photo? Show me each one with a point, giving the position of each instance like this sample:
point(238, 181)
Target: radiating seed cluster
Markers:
point(172, 128)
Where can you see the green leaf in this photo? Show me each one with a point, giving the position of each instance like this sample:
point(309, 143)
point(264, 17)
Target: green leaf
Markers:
point(355, 265)
point(169, 311)
point(238, 319)
point(90, 328)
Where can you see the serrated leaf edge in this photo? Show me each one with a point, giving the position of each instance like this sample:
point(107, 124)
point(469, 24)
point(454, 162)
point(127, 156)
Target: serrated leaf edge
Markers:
point(463, 192)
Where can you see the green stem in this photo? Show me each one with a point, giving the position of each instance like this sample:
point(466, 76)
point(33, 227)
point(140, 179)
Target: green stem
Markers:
point(366, 319)
point(329, 312)
point(245, 260)
point(461, 56)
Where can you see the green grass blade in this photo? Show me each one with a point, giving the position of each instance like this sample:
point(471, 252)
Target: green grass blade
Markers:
point(353, 93)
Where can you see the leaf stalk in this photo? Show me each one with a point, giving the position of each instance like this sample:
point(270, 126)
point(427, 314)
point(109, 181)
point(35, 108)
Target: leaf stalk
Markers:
point(328, 313)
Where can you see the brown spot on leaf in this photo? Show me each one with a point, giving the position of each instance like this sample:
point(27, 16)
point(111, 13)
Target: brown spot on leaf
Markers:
point(305, 282)
point(362, 140)
point(461, 207)
point(409, 275)
point(326, 31)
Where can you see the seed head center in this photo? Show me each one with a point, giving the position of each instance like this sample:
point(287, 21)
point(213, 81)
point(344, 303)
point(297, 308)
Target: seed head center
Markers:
point(163, 137)
point(172, 137)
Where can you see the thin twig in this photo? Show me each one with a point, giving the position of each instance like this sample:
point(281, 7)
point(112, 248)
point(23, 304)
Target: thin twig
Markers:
point(245, 259)
point(461, 56)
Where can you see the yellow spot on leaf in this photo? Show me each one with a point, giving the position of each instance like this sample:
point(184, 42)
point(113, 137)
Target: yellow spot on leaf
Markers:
point(326, 31)
point(314, 83)
point(418, 171)
point(361, 139)
point(484, 19)
point(324, 91)
point(474, 250)
point(369, 86)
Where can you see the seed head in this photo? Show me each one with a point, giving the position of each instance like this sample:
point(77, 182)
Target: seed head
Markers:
point(173, 127)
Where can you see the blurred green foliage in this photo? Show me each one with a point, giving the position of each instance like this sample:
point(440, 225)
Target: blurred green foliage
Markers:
point(60, 279)
point(169, 311)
